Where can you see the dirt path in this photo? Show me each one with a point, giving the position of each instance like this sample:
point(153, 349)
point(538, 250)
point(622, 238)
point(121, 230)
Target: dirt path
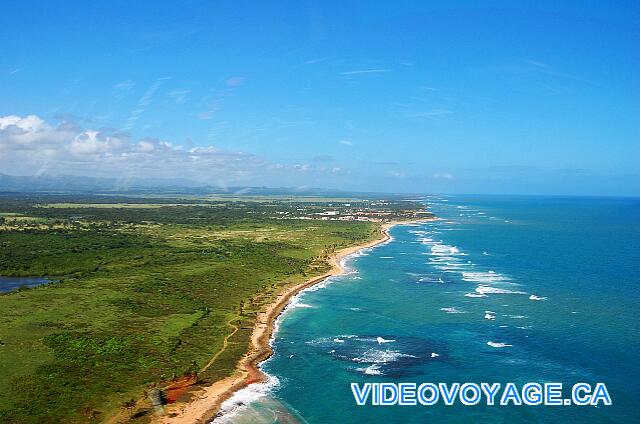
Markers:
point(225, 343)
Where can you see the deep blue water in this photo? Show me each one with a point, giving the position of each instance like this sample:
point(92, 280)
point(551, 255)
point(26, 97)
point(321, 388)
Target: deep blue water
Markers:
point(444, 289)
point(8, 284)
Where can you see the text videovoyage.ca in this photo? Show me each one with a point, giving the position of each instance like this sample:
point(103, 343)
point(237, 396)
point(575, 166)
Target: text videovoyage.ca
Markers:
point(469, 394)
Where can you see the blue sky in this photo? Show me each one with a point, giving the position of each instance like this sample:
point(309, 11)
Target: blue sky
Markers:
point(507, 97)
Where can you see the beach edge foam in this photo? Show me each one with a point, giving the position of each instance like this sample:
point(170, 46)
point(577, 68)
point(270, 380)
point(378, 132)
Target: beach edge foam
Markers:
point(206, 402)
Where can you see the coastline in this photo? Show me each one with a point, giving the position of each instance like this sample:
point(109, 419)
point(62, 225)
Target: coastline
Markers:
point(206, 402)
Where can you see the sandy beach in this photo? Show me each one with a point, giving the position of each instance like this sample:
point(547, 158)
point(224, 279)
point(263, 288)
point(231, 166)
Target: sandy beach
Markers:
point(206, 402)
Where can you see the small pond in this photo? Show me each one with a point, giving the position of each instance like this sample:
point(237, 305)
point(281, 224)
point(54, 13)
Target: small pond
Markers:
point(11, 283)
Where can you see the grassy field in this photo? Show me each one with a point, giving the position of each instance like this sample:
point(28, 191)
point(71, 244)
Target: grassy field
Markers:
point(142, 296)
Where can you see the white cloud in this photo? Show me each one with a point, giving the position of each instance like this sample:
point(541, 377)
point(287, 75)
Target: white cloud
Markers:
point(537, 64)
point(29, 145)
point(443, 176)
point(304, 167)
point(429, 113)
point(29, 122)
point(122, 89)
point(314, 61)
point(92, 142)
point(178, 96)
point(366, 71)
point(25, 133)
point(346, 142)
point(145, 146)
point(235, 81)
point(124, 85)
point(143, 103)
point(208, 114)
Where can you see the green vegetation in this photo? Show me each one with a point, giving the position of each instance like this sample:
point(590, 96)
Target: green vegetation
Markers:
point(142, 295)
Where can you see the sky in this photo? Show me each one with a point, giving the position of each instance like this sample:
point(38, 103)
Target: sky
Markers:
point(536, 97)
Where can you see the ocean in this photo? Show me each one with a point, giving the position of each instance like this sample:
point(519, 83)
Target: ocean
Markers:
point(498, 289)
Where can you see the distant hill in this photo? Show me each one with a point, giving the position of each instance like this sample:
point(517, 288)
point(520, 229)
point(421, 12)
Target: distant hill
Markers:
point(73, 184)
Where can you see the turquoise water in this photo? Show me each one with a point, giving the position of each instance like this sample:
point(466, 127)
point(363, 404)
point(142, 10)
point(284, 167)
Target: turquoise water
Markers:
point(552, 283)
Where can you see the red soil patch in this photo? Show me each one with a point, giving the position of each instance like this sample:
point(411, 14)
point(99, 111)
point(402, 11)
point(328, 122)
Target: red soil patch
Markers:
point(179, 387)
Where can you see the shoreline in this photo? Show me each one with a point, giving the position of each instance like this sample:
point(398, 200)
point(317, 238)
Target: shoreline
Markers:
point(207, 401)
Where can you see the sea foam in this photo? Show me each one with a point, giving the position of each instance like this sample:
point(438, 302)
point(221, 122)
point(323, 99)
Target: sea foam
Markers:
point(452, 310)
point(534, 297)
point(484, 277)
point(377, 356)
point(243, 397)
point(498, 345)
point(482, 289)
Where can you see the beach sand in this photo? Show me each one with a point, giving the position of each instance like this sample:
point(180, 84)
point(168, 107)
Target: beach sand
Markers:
point(205, 403)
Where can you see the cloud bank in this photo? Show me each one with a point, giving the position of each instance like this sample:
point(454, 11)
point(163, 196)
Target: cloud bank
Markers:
point(31, 146)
